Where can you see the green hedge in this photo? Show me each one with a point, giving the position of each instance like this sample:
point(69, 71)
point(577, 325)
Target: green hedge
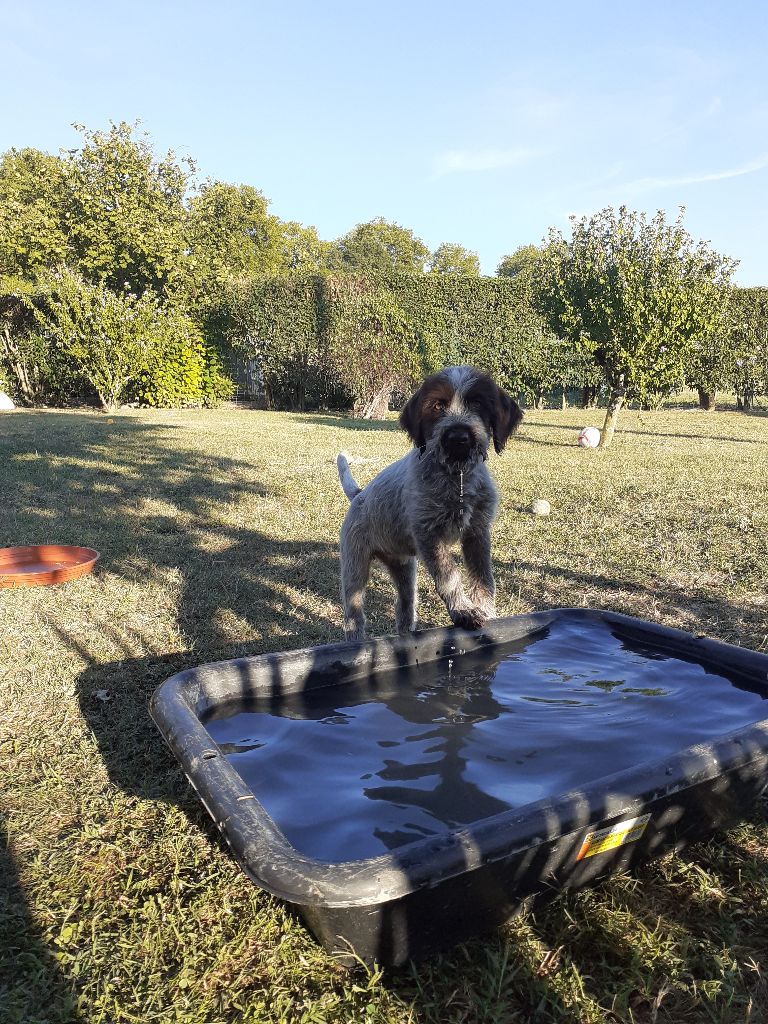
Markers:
point(318, 336)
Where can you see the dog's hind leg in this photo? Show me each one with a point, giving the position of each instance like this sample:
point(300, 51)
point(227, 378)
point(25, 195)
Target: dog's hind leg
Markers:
point(403, 573)
point(355, 570)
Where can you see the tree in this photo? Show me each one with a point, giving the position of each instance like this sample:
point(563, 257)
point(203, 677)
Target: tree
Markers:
point(125, 212)
point(379, 247)
point(450, 258)
point(545, 364)
point(636, 293)
point(280, 324)
point(32, 230)
point(110, 209)
point(524, 260)
point(19, 350)
point(233, 235)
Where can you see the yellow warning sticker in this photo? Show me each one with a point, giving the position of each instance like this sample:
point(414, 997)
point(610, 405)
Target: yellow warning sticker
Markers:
point(620, 834)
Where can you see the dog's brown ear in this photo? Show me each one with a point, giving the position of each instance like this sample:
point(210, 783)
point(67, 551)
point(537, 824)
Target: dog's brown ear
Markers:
point(505, 419)
point(411, 420)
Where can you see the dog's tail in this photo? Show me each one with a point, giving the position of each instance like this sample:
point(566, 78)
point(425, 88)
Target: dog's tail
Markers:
point(348, 482)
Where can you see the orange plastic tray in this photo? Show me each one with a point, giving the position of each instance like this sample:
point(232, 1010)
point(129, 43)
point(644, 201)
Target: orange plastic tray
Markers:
point(43, 564)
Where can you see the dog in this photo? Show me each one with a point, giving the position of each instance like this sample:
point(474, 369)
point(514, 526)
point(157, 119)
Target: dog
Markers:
point(441, 492)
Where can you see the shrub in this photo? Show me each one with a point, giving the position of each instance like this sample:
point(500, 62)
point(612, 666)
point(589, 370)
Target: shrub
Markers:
point(119, 346)
point(106, 337)
point(182, 369)
point(372, 347)
point(215, 385)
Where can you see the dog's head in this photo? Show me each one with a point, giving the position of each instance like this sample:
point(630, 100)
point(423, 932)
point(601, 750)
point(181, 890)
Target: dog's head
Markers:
point(457, 412)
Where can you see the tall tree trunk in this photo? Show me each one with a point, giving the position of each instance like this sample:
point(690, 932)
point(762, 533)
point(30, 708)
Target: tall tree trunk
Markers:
point(17, 365)
point(588, 396)
point(706, 400)
point(615, 402)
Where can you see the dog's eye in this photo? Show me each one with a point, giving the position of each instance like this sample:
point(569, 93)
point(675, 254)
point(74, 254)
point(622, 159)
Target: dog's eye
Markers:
point(478, 406)
point(439, 405)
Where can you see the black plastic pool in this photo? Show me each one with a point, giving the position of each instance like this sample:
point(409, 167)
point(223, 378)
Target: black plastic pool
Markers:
point(407, 792)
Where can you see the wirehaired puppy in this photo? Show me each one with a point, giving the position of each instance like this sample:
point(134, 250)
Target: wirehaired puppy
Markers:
point(440, 493)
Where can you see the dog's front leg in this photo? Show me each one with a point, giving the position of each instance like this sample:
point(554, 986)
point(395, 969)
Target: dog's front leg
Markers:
point(441, 565)
point(476, 547)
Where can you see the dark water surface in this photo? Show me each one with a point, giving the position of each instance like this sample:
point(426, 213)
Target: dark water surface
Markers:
point(353, 771)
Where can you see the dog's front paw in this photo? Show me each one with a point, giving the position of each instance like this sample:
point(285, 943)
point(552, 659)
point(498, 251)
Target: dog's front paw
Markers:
point(469, 618)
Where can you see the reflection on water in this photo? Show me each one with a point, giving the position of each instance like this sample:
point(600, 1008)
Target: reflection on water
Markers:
point(352, 771)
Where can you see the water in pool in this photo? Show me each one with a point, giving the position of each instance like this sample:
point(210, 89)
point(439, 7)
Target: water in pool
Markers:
point(352, 771)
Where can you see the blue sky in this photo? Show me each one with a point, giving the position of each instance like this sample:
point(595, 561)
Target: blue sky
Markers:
point(481, 123)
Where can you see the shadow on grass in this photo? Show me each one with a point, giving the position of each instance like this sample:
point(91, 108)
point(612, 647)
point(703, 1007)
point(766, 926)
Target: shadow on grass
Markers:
point(32, 988)
point(742, 624)
point(349, 422)
point(692, 437)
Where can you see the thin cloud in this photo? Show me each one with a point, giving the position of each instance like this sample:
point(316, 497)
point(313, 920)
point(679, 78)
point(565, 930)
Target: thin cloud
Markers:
point(459, 161)
point(651, 184)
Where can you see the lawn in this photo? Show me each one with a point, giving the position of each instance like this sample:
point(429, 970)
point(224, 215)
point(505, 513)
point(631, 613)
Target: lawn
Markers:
point(218, 533)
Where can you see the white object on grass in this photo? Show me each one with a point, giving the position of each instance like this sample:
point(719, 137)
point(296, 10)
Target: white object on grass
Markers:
point(540, 507)
point(589, 437)
point(6, 402)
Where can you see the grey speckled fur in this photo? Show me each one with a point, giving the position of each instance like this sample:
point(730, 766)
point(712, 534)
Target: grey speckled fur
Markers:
point(425, 502)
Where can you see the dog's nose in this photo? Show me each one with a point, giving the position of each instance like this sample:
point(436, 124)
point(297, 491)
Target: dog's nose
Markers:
point(457, 441)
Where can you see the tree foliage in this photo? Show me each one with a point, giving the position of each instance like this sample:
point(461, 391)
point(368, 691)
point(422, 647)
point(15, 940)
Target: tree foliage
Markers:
point(33, 233)
point(371, 342)
point(230, 230)
point(749, 345)
point(450, 258)
point(128, 238)
point(109, 337)
point(279, 323)
point(380, 247)
point(303, 251)
point(124, 346)
point(233, 235)
point(524, 260)
point(125, 212)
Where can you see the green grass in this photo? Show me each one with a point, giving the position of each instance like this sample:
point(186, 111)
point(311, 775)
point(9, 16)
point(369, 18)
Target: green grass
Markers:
point(218, 533)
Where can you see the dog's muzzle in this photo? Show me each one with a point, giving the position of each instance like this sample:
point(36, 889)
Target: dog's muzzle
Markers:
point(457, 442)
